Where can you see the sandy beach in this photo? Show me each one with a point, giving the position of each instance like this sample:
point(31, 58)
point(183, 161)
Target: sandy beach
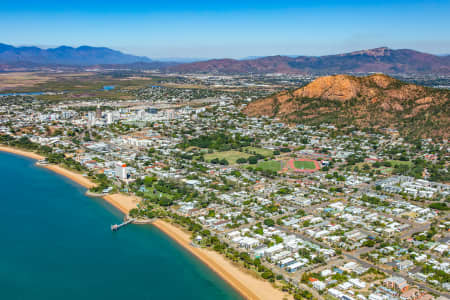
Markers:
point(122, 202)
point(247, 285)
point(78, 178)
point(21, 152)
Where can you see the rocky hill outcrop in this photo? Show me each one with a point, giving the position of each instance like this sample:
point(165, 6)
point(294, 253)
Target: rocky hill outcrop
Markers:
point(377, 101)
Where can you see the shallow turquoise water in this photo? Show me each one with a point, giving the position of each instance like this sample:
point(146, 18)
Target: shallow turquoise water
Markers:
point(55, 243)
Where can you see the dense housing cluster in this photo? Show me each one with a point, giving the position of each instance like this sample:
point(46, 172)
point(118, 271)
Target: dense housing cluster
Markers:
point(322, 211)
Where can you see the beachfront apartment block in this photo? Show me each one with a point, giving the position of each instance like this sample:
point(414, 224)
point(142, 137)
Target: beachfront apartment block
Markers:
point(121, 171)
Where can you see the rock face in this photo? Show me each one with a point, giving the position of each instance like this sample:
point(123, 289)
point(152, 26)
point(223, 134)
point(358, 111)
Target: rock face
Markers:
point(376, 101)
point(339, 87)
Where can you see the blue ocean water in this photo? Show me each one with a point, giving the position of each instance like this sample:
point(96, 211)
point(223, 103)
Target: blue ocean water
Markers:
point(55, 243)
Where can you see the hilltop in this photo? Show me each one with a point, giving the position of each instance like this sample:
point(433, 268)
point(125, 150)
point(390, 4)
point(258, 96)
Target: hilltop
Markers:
point(64, 55)
point(377, 101)
point(381, 59)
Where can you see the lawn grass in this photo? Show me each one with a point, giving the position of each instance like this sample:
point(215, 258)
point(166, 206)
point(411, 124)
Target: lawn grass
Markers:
point(304, 165)
point(390, 170)
point(231, 156)
point(152, 193)
point(273, 165)
point(401, 162)
point(261, 151)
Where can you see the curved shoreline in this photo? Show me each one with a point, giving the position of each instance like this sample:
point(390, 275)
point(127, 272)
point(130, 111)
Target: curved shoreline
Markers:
point(245, 284)
point(123, 203)
point(78, 178)
point(21, 152)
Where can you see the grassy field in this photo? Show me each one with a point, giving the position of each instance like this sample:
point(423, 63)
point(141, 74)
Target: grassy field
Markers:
point(390, 170)
point(383, 169)
point(261, 151)
point(73, 82)
point(16, 81)
point(231, 156)
point(304, 165)
point(273, 165)
point(152, 193)
point(400, 162)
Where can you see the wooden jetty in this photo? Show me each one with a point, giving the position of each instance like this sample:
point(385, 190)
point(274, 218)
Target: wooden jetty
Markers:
point(116, 227)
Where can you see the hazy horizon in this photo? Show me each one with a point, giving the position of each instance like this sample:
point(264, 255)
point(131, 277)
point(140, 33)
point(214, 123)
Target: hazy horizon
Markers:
point(207, 30)
point(187, 58)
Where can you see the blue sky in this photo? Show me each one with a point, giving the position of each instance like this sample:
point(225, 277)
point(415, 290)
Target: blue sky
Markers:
point(233, 29)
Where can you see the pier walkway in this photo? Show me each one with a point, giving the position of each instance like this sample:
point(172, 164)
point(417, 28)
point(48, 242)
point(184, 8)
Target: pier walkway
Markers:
point(116, 227)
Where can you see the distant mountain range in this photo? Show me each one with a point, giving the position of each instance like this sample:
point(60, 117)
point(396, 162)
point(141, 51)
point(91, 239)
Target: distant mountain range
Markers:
point(382, 59)
point(81, 56)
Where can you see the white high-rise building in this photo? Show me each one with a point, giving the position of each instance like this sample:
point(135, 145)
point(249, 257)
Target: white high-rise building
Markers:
point(91, 118)
point(109, 118)
point(140, 114)
point(121, 171)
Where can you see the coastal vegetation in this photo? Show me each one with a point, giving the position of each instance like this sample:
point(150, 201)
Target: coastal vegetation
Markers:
point(100, 180)
point(52, 158)
point(242, 258)
point(233, 182)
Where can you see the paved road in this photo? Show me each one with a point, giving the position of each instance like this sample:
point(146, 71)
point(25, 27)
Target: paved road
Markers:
point(392, 273)
point(295, 282)
point(415, 228)
point(369, 264)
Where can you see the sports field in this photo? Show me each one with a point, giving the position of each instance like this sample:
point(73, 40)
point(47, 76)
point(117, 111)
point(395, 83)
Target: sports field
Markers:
point(273, 165)
point(303, 165)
